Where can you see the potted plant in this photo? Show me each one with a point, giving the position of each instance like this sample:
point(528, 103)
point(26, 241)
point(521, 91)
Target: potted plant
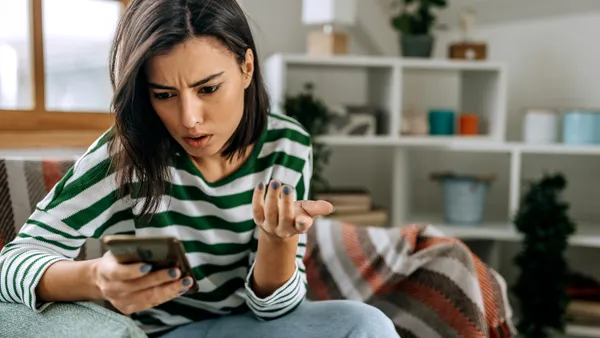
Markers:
point(314, 116)
point(541, 286)
point(415, 20)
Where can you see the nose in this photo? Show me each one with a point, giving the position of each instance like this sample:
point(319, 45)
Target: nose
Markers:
point(191, 111)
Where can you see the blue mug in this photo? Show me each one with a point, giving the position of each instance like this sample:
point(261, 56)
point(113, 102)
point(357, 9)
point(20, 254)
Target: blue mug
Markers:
point(441, 122)
point(581, 127)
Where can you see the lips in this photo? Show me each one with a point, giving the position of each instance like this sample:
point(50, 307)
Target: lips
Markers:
point(198, 140)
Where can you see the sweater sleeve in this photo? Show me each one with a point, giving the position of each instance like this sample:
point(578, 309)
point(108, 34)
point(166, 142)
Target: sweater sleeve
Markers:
point(82, 205)
point(292, 293)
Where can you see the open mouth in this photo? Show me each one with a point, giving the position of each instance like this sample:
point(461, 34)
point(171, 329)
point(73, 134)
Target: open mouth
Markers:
point(198, 141)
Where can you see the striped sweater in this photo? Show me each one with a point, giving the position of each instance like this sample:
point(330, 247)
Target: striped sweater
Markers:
point(213, 220)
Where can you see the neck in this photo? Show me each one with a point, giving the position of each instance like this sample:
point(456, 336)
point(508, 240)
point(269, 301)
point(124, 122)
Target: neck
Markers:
point(215, 168)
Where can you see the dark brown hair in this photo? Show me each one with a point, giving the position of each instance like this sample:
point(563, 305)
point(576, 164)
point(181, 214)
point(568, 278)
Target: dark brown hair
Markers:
point(141, 147)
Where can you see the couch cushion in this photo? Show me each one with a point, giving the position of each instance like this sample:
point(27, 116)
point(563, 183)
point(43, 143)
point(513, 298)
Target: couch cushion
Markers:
point(81, 319)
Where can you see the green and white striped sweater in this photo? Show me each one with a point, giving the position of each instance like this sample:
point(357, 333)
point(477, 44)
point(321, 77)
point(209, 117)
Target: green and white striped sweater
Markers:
point(213, 220)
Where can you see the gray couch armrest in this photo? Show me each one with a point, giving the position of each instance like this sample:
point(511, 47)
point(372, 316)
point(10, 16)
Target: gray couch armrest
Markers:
point(81, 319)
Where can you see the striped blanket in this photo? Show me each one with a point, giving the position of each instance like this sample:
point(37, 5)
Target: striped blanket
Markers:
point(429, 285)
point(23, 183)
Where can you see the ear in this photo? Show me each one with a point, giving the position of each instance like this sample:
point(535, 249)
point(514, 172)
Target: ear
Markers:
point(248, 67)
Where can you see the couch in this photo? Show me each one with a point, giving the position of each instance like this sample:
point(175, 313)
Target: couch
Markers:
point(404, 271)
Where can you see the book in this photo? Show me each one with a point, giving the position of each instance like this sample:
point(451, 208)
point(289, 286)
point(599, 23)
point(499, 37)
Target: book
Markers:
point(356, 199)
point(376, 217)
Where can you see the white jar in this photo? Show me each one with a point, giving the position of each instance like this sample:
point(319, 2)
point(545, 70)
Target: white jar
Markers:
point(541, 126)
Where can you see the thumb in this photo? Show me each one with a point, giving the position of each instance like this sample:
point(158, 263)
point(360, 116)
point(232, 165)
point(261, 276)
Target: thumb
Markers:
point(315, 208)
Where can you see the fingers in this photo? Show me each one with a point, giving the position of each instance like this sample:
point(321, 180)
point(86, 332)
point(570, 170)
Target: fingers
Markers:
point(272, 206)
point(303, 223)
point(116, 271)
point(152, 297)
point(286, 213)
point(258, 204)
point(315, 208)
point(306, 211)
point(151, 280)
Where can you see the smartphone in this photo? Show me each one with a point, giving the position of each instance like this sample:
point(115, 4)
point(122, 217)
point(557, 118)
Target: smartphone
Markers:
point(162, 252)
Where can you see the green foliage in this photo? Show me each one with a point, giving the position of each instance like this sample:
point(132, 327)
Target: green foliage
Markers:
point(544, 221)
point(313, 114)
point(416, 17)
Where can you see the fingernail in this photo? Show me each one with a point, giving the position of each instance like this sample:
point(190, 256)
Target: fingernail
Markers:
point(287, 190)
point(301, 223)
point(172, 273)
point(260, 186)
point(275, 185)
point(146, 268)
point(186, 282)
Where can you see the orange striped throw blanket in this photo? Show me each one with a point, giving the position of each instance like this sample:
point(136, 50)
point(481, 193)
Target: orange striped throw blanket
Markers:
point(429, 285)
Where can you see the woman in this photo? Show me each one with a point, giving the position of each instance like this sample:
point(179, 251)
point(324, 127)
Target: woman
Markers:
point(193, 154)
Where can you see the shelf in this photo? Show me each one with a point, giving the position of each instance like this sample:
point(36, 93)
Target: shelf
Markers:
point(499, 232)
point(383, 61)
point(588, 235)
point(370, 140)
point(445, 64)
point(559, 149)
point(578, 330)
point(459, 143)
point(337, 61)
point(475, 143)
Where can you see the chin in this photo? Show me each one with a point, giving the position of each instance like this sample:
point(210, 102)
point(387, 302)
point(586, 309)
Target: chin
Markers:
point(209, 151)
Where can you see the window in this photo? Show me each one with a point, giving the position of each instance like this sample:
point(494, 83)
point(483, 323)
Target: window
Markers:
point(54, 83)
point(15, 55)
point(76, 49)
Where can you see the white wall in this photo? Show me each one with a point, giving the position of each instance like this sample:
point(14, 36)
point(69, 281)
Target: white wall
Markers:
point(277, 27)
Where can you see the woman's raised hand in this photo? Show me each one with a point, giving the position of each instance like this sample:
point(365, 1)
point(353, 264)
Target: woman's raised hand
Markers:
point(279, 215)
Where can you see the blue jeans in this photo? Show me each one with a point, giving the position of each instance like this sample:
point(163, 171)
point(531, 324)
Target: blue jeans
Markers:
point(329, 319)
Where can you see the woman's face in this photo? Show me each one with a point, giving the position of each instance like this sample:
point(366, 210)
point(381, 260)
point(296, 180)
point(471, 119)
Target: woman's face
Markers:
point(197, 90)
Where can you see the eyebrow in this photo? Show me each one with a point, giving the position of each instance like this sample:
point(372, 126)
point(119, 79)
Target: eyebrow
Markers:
point(195, 84)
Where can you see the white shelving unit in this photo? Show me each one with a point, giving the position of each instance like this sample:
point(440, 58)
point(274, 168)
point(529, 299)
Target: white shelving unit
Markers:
point(479, 87)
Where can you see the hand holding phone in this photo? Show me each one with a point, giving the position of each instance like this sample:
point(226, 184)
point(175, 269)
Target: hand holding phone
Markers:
point(139, 273)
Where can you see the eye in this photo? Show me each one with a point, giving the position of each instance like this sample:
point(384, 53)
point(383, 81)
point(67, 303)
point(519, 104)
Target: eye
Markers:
point(163, 96)
point(209, 89)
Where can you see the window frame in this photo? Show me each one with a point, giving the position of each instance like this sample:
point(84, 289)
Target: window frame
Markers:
point(40, 127)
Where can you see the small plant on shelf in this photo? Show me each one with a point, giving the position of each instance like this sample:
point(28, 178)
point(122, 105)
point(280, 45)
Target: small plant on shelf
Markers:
point(541, 286)
point(415, 20)
point(314, 115)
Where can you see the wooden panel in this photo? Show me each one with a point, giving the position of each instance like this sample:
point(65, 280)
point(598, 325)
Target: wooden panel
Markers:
point(37, 44)
point(19, 120)
point(48, 139)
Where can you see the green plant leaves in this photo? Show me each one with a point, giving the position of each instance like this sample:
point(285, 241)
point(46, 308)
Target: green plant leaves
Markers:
point(403, 23)
point(314, 116)
point(416, 22)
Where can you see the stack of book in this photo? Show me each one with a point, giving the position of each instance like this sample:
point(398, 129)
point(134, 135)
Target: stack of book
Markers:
point(354, 206)
point(584, 304)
